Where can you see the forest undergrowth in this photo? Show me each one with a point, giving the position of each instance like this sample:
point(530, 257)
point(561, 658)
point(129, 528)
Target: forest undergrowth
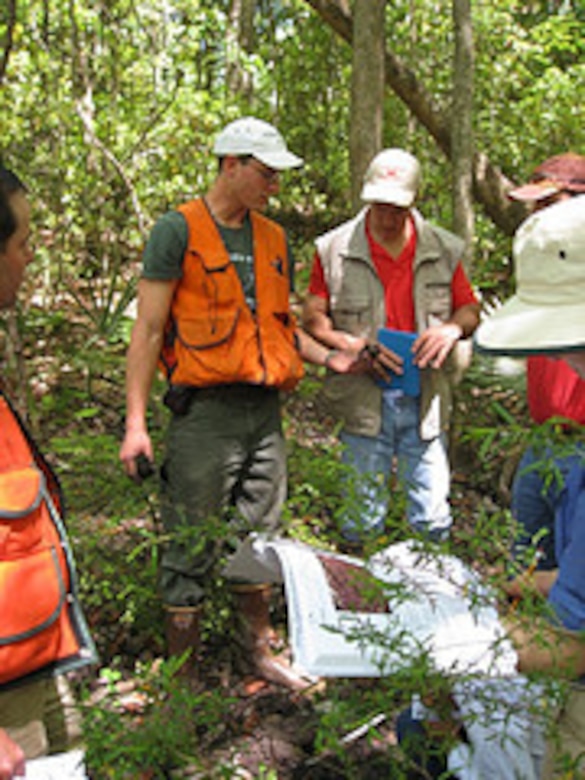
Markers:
point(140, 720)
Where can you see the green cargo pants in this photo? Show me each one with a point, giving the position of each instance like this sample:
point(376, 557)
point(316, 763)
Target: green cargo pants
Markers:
point(224, 475)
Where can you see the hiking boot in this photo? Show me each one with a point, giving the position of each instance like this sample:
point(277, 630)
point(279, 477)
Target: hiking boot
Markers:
point(259, 638)
point(182, 631)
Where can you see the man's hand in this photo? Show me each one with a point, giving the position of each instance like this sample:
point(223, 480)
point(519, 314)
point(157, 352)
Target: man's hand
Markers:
point(342, 361)
point(372, 358)
point(11, 758)
point(379, 362)
point(136, 447)
point(432, 347)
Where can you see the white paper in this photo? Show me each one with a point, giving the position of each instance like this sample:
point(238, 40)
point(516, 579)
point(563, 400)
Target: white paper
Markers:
point(62, 766)
point(448, 612)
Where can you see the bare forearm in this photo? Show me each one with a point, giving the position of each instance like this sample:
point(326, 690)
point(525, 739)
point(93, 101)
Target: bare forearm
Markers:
point(543, 648)
point(140, 370)
point(466, 318)
point(539, 581)
point(319, 324)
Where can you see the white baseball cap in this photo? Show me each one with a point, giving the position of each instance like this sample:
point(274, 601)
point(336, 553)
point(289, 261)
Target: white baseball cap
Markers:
point(393, 177)
point(547, 314)
point(259, 139)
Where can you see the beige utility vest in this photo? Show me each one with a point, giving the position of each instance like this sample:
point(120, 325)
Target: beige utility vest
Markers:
point(357, 306)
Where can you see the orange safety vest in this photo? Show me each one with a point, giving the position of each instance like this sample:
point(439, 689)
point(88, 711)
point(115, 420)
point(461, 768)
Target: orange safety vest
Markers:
point(212, 337)
point(42, 627)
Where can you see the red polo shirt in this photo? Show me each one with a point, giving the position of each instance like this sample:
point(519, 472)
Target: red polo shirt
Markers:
point(554, 390)
point(396, 275)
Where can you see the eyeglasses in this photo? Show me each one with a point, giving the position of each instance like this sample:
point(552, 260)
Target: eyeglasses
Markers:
point(269, 175)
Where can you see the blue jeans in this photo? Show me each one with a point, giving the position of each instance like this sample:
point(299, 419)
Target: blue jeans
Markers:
point(422, 469)
point(537, 486)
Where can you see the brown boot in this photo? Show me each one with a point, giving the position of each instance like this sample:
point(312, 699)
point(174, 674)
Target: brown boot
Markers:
point(253, 605)
point(182, 634)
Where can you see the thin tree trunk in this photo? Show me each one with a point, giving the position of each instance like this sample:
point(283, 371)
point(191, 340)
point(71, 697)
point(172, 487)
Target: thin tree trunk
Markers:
point(240, 39)
point(367, 90)
point(462, 128)
point(8, 38)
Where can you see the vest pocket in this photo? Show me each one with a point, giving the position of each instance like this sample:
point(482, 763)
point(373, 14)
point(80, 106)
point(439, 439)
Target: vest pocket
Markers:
point(32, 596)
point(215, 351)
point(438, 300)
point(352, 313)
point(20, 512)
point(207, 332)
point(284, 367)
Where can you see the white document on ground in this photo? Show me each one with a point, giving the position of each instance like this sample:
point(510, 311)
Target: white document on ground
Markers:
point(62, 766)
point(443, 609)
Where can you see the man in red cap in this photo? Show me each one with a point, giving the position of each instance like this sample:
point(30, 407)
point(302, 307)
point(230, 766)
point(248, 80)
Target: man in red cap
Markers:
point(559, 175)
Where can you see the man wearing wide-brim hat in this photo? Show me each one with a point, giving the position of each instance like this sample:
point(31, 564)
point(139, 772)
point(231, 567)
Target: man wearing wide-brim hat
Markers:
point(547, 316)
point(554, 393)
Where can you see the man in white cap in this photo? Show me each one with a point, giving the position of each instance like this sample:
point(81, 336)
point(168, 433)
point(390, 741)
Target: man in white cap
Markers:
point(389, 268)
point(547, 316)
point(214, 311)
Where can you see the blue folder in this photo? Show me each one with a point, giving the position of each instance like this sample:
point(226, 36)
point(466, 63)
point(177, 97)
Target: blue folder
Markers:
point(400, 342)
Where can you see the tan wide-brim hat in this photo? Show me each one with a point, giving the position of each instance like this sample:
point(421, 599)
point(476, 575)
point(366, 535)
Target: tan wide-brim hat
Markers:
point(547, 314)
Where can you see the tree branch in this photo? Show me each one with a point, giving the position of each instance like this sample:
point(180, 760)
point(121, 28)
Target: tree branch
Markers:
point(489, 183)
point(8, 40)
point(92, 137)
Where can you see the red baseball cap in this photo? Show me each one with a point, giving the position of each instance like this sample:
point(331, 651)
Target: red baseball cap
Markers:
point(561, 173)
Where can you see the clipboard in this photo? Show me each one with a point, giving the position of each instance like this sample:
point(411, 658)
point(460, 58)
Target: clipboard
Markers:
point(400, 342)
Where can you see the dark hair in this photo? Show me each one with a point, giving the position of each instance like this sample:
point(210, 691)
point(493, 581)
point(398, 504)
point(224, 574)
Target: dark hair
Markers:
point(243, 158)
point(9, 184)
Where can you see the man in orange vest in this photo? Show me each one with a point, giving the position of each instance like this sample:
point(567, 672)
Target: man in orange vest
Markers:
point(36, 717)
point(15, 255)
point(214, 311)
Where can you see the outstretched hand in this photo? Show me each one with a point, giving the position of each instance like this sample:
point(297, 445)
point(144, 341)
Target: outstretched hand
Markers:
point(344, 361)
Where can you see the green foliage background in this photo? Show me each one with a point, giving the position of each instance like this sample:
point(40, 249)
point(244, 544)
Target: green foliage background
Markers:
point(108, 109)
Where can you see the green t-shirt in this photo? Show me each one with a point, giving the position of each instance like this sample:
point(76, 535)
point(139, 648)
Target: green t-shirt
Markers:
point(166, 246)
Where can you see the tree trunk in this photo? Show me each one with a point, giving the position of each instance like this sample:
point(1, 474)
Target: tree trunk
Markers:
point(462, 128)
point(240, 38)
point(8, 38)
point(489, 183)
point(367, 90)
